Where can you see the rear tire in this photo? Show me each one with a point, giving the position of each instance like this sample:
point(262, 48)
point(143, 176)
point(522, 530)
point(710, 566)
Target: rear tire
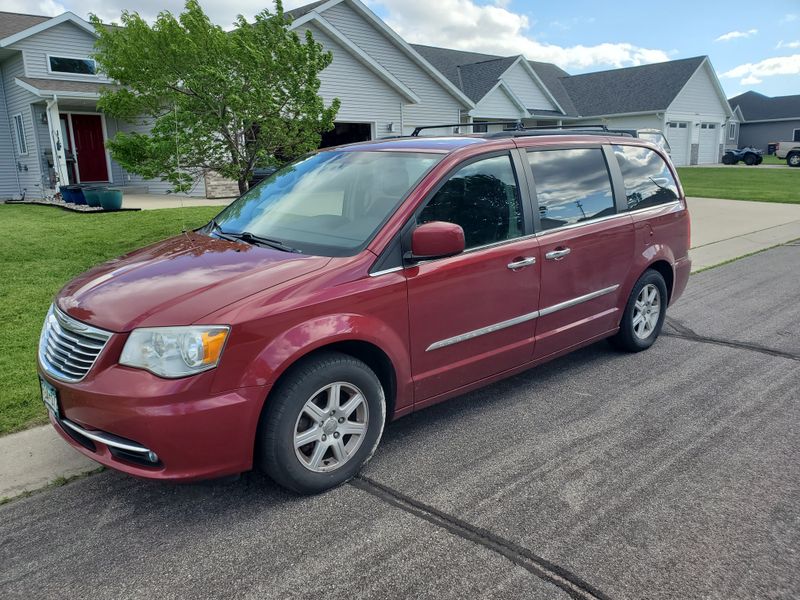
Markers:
point(793, 160)
point(749, 159)
point(336, 405)
point(727, 159)
point(644, 314)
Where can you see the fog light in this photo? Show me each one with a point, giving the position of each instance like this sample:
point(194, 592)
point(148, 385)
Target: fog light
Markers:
point(152, 457)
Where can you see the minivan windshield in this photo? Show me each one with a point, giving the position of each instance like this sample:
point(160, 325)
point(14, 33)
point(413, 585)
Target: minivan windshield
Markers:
point(329, 204)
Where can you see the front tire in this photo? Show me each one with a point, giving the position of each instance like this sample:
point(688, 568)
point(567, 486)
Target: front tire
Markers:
point(321, 423)
point(793, 160)
point(750, 159)
point(644, 314)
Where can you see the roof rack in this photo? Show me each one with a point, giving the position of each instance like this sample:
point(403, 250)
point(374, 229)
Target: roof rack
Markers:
point(516, 124)
point(520, 130)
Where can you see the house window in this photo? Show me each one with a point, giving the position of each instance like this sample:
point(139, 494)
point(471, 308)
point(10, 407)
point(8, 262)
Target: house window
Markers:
point(796, 135)
point(76, 66)
point(19, 135)
point(731, 131)
point(510, 126)
point(482, 128)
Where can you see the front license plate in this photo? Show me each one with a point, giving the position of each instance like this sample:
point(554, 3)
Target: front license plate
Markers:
point(50, 396)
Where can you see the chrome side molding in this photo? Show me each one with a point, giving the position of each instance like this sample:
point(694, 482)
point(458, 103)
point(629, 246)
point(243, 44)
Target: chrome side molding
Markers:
point(463, 337)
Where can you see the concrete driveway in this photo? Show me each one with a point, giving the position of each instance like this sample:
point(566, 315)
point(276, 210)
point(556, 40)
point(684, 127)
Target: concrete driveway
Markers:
point(672, 473)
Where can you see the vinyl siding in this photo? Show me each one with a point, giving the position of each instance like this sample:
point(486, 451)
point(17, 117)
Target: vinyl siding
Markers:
point(497, 105)
point(364, 96)
point(18, 101)
point(436, 105)
point(8, 165)
point(65, 39)
point(526, 89)
point(632, 122)
point(760, 135)
point(698, 99)
point(122, 177)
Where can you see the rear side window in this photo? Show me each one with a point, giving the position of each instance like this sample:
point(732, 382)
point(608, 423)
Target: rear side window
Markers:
point(482, 197)
point(571, 186)
point(648, 180)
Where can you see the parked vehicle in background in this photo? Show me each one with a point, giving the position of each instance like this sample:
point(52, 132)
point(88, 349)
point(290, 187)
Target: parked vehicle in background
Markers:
point(749, 156)
point(357, 285)
point(789, 151)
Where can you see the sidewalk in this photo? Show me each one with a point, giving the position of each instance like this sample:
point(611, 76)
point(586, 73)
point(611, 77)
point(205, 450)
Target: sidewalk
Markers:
point(721, 231)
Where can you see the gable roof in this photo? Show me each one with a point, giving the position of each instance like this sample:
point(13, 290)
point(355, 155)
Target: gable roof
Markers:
point(758, 107)
point(550, 76)
point(11, 23)
point(646, 88)
point(44, 24)
point(478, 79)
point(315, 10)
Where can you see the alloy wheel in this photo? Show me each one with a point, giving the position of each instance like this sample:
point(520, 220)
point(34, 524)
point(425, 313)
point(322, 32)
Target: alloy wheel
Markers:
point(331, 427)
point(646, 311)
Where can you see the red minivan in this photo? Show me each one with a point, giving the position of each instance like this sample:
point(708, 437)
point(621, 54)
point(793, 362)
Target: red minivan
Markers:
point(354, 286)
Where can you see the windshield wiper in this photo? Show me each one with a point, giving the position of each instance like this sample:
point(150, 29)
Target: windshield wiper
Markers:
point(250, 238)
point(258, 240)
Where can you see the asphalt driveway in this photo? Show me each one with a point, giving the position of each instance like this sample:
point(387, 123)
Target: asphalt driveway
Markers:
point(673, 473)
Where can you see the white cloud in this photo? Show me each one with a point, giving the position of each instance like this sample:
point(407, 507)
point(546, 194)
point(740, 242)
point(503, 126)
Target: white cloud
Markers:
point(782, 44)
point(752, 73)
point(494, 29)
point(790, 17)
point(732, 35)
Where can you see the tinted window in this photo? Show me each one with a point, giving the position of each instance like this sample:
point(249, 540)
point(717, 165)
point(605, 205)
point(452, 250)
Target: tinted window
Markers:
point(648, 180)
point(330, 203)
point(571, 186)
point(80, 66)
point(483, 198)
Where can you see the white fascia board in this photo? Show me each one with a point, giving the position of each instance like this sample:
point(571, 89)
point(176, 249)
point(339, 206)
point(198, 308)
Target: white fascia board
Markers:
point(405, 47)
point(311, 14)
point(360, 55)
point(525, 65)
point(514, 98)
point(45, 25)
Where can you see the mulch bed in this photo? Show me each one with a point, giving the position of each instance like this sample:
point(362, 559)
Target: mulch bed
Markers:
point(78, 208)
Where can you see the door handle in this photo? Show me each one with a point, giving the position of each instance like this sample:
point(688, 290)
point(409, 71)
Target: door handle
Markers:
point(557, 254)
point(523, 262)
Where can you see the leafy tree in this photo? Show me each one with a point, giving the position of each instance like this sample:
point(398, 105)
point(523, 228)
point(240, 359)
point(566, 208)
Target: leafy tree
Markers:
point(227, 101)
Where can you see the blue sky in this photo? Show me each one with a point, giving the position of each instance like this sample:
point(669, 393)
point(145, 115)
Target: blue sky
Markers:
point(752, 44)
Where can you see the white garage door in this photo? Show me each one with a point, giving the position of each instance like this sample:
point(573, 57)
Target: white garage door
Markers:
point(678, 137)
point(708, 144)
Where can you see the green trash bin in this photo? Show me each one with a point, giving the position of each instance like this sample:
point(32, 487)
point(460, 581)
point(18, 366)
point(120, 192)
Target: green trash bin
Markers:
point(111, 199)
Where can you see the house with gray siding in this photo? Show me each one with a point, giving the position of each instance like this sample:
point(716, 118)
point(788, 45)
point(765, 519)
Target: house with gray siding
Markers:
point(683, 97)
point(767, 119)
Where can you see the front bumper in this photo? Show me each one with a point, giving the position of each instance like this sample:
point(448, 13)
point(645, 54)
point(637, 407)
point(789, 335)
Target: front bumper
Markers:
point(122, 415)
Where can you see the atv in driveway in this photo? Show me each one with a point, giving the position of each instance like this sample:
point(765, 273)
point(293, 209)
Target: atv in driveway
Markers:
point(749, 156)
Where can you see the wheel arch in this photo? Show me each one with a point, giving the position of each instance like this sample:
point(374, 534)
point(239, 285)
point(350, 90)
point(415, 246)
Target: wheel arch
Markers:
point(663, 267)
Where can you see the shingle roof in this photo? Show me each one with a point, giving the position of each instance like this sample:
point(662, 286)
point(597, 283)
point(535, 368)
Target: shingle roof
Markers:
point(758, 107)
point(479, 78)
point(634, 89)
point(298, 12)
point(60, 85)
point(11, 23)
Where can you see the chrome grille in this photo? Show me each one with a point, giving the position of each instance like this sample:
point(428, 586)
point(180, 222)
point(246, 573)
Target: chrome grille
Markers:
point(69, 348)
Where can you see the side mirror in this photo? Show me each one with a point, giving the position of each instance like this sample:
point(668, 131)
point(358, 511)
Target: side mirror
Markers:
point(436, 239)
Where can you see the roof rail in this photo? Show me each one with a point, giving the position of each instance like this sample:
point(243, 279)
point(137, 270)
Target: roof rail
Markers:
point(562, 130)
point(516, 124)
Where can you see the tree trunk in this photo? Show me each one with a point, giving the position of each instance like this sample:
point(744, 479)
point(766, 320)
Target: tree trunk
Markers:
point(243, 187)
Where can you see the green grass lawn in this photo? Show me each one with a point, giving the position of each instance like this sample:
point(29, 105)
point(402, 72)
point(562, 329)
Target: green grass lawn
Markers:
point(762, 185)
point(771, 159)
point(41, 248)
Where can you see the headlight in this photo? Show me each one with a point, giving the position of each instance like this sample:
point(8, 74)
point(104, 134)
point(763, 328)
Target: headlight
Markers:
point(175, 351)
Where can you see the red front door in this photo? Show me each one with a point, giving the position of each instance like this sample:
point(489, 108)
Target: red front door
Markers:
point(89, 148)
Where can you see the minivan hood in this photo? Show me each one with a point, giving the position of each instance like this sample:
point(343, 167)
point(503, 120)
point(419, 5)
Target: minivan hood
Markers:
point(178, 281)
